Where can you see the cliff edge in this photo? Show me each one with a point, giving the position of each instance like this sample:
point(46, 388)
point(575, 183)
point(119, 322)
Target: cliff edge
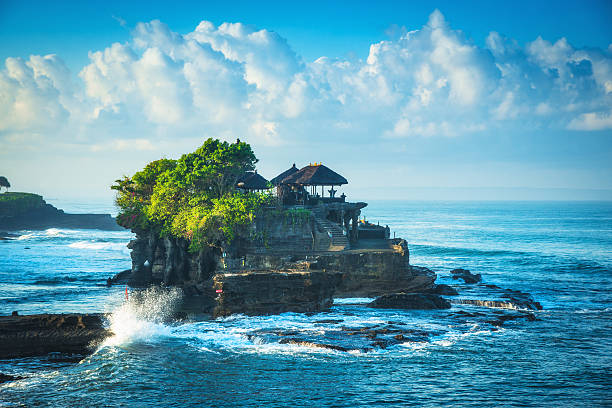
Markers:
point(20, 211)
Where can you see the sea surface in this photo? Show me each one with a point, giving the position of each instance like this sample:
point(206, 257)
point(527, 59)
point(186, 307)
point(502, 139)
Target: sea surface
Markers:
point(560, 252)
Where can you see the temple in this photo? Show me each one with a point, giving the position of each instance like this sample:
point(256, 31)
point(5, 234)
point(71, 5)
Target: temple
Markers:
point(294, 256)
point(314, 188)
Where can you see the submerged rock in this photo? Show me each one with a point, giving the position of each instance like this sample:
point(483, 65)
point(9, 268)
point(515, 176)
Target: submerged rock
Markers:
point(35, 335)
point(345, 339)
point(443, 289)
point(121, 278)
point(423, 301)
point(466, 275)
point(6, 378)
point(508, 299)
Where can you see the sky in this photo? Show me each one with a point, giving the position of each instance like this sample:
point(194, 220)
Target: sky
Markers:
point(445, 100)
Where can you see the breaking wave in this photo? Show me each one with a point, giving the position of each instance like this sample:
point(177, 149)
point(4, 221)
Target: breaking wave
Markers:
point(97, 245)
point(143, 316)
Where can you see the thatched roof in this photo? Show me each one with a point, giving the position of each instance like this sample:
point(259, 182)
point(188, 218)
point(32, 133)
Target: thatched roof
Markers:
point(250, 180)
point(315, 175)
point(278, 179)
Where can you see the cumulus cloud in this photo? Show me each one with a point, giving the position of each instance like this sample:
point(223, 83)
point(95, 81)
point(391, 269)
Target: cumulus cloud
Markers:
point(236, 80)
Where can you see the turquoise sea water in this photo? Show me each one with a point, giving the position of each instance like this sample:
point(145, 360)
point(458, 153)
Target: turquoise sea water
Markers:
point(560, 252)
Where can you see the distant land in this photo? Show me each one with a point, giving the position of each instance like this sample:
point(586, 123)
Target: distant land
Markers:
point(19, 211)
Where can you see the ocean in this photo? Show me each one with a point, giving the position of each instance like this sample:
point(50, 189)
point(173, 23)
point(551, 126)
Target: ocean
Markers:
point(560, 252)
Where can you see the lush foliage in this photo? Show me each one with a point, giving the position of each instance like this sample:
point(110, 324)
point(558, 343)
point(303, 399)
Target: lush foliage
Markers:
point(193, 197)
point(4, 182)
point(16, 203)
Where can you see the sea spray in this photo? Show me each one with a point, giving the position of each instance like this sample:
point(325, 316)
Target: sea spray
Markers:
point(143, 316)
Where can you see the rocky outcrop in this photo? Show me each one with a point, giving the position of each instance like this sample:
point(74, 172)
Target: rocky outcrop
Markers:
point(34, 335)
point(40, 215)
point(282, 244)
point(422, 301)
point(442, 289)
point(272, 292)
point(121, 278)
point(511, 300)
point(158, 260)
point(345, 338)
point(6, 378)
point(365, 273)
point(466, 275)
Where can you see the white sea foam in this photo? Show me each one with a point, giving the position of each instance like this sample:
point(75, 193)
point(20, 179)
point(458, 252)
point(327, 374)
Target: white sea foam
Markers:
point(352, 301)
point(142, 317)
point(96, 245)
point(48, 233)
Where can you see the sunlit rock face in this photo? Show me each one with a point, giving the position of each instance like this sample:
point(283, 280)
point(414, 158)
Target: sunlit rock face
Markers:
point(282, 264)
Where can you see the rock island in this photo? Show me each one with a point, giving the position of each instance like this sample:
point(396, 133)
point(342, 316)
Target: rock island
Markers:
point(238, 243)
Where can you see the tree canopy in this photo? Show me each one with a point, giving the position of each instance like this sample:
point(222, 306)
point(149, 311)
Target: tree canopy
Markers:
point(4, 182)
point(193, 197)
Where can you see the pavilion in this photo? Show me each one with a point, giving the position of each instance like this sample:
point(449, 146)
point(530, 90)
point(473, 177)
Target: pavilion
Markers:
point(251, 181)
point(293, 185)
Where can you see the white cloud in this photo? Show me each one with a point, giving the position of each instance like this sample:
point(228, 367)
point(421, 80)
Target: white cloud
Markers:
point(124, 145)
point(592, 121)
point(234, 80)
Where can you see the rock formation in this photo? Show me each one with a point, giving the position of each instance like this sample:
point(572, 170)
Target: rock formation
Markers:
point(466, 275)
point(266, 292)
point(19, 211)
point(314, 275)
point(34, 335)
point(423, 301)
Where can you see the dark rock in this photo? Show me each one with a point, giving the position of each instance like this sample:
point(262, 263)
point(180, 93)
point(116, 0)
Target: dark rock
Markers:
point(369, 272)
point(6, 378)
point(47, 216)
point(307, 343)
point(329, 321)
point(423, 301)
point(501, 304)
point(34, 335)
point(273, 292)
point(443, 290)
point(15, 313)
point(466, 275)
point(509, 317)
point(522, 300)
point(121, 278)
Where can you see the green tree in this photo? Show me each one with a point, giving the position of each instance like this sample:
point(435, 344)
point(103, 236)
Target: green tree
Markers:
point(193, 197)
point(4, 183)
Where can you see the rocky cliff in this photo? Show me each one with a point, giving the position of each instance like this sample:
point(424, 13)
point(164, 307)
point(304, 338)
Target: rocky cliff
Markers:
point(19, 211)
point(254, 278)
point(34, 335)
point(264, 292)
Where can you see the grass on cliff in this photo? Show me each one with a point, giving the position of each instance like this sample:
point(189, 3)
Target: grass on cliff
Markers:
point(12, 203)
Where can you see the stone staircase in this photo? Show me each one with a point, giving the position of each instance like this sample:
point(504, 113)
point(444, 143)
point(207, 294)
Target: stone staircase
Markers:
point(339, 241)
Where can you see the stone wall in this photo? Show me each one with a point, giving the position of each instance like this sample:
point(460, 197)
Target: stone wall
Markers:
point(278, 233)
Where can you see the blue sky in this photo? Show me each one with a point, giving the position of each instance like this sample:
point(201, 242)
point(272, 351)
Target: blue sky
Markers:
point(483, 100)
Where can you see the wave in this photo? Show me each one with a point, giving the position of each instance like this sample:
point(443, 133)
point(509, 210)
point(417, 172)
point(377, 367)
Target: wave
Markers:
point(352, 301)
point(48, 233)
point(98, 245)
point(58, 280)
point(424, 249)
point(143, 315)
